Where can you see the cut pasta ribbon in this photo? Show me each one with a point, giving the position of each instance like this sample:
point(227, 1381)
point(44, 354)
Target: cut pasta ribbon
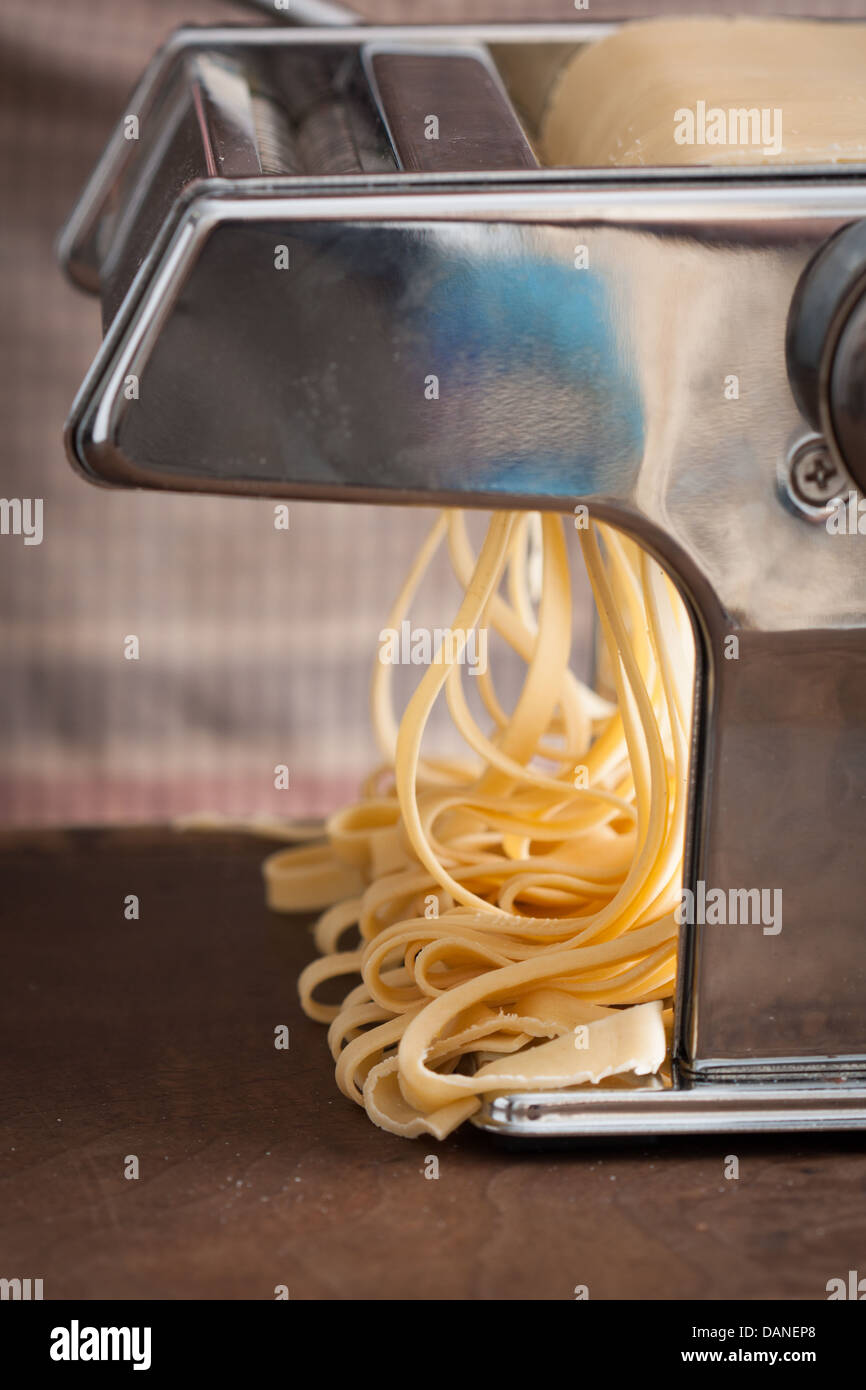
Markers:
point(513, 911)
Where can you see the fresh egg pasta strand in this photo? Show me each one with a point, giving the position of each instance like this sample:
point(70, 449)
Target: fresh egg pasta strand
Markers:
point(542, 891)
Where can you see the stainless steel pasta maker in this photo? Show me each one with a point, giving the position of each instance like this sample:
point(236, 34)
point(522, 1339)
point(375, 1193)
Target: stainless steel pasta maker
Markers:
point(305, 295)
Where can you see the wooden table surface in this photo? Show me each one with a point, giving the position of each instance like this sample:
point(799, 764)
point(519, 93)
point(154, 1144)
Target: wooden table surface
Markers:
point(155, 1038)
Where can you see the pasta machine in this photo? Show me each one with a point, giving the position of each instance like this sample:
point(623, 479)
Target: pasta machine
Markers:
point(304, 295)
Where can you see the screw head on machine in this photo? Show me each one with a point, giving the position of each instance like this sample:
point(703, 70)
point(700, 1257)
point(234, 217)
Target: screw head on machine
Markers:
point(814, 478)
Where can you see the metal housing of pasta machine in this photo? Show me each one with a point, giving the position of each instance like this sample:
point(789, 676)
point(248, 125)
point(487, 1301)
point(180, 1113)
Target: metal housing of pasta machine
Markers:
point(305, 296)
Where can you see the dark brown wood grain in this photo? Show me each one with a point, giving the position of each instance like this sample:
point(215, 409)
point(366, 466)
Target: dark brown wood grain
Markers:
point(155, 1038)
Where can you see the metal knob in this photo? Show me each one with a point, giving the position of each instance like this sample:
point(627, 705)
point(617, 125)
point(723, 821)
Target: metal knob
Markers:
point(826, 347)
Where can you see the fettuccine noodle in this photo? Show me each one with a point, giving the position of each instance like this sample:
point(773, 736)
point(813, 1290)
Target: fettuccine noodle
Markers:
point(513, 912)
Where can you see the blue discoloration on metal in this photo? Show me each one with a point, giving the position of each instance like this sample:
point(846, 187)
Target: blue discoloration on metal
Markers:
point(527, 323)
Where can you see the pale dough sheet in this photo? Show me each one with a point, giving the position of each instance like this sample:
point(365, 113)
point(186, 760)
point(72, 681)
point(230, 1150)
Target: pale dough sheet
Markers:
point(616, 102)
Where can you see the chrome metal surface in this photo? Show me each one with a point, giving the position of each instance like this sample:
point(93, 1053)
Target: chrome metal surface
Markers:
point(313, 13)
point(779, 801)
point(80, 242)
point(460, 90)
point(544, 399)
point(277, 145)
point(710, 1109)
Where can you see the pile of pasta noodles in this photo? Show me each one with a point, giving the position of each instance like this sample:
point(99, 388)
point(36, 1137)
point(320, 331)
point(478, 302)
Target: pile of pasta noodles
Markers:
point(511, 914)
